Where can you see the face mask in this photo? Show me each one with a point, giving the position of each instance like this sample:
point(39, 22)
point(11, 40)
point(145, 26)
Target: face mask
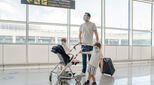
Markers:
point(96, 50)
point(84, 18)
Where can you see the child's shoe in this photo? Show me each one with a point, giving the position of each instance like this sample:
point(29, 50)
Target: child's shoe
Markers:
point(94, 83)
point(86, 83)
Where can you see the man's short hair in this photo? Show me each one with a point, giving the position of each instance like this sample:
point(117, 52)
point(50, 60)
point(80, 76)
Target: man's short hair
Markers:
point(89, 15)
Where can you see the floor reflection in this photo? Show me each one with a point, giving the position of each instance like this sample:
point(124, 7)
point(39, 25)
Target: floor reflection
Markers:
point(126, 74)
point(106, 80)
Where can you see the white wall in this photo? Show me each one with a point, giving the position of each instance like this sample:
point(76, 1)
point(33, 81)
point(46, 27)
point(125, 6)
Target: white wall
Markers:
point(110, 52)
point(14, 54)
point(140, 53)
point(146, 53)
point(37, 54)
point(136, 53)
point(122, 53)
point(116, 52)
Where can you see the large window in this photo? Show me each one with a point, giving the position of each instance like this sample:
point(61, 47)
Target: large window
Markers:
point(47, 25)
point(116, 19)
point(82, 6)
point(99, 35)
point(116, 13)
point(141, 15)
point(74, 36)
point(6, 39)
point(10, 32)
point(141, 38)
point(47, 34)
point(12, 10)
point(141, 22)
point(47, 14)
point(116, 37)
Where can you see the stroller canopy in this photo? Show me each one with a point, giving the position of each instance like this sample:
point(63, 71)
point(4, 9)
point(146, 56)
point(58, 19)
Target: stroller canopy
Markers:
point(60, 50)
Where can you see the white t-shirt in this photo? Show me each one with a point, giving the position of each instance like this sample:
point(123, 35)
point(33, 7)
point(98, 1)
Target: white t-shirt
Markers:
point(87, 30)
point(95, 58)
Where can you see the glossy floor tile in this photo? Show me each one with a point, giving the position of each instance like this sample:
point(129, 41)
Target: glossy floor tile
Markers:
point(126, 74)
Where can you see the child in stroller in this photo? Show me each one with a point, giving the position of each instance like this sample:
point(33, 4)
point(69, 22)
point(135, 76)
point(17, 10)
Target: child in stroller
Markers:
point(68, 51)
point(67, 62)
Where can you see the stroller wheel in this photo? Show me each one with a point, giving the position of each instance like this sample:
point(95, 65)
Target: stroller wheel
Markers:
point(78, 78)
point(50, 77)
point(59, 82)
point(78, 83)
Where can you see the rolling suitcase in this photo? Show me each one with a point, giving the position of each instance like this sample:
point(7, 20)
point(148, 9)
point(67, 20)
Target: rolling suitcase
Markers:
point(108, 67)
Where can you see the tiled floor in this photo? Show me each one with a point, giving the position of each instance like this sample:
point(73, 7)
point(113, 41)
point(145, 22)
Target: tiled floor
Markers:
point(126, 74)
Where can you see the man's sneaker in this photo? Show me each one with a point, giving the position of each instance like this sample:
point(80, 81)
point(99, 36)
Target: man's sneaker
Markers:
point(87, 82)
point(82, 74)
point(94, 83)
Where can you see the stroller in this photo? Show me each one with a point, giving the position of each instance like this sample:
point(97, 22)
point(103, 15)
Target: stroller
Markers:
point(67, 62)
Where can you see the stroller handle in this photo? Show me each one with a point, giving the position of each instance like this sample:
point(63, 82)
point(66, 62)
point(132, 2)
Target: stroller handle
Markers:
point(74, 47)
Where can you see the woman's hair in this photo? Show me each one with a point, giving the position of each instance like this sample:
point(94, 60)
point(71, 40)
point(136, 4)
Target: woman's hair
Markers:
point(97, 44)
point(63, 40)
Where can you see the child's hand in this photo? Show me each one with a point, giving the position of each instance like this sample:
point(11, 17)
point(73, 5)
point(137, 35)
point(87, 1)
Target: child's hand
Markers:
point(71, 50)
point(80, 51)
point(80, 42)
point(101, 70)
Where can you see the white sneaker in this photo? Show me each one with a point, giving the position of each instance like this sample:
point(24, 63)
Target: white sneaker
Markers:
point(82, 74)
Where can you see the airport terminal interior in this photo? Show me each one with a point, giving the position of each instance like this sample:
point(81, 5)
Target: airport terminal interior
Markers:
point(35, 35)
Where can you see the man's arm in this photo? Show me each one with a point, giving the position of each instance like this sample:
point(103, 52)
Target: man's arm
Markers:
point(80, 37)
point(101, 65)
point(96, 34)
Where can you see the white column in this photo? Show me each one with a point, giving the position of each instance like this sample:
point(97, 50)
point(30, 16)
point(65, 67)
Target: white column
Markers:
point(103, 25)
point(130, 30)
point(14, 38)
point(68, 26)
point(27, 31)
point(152, 31)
